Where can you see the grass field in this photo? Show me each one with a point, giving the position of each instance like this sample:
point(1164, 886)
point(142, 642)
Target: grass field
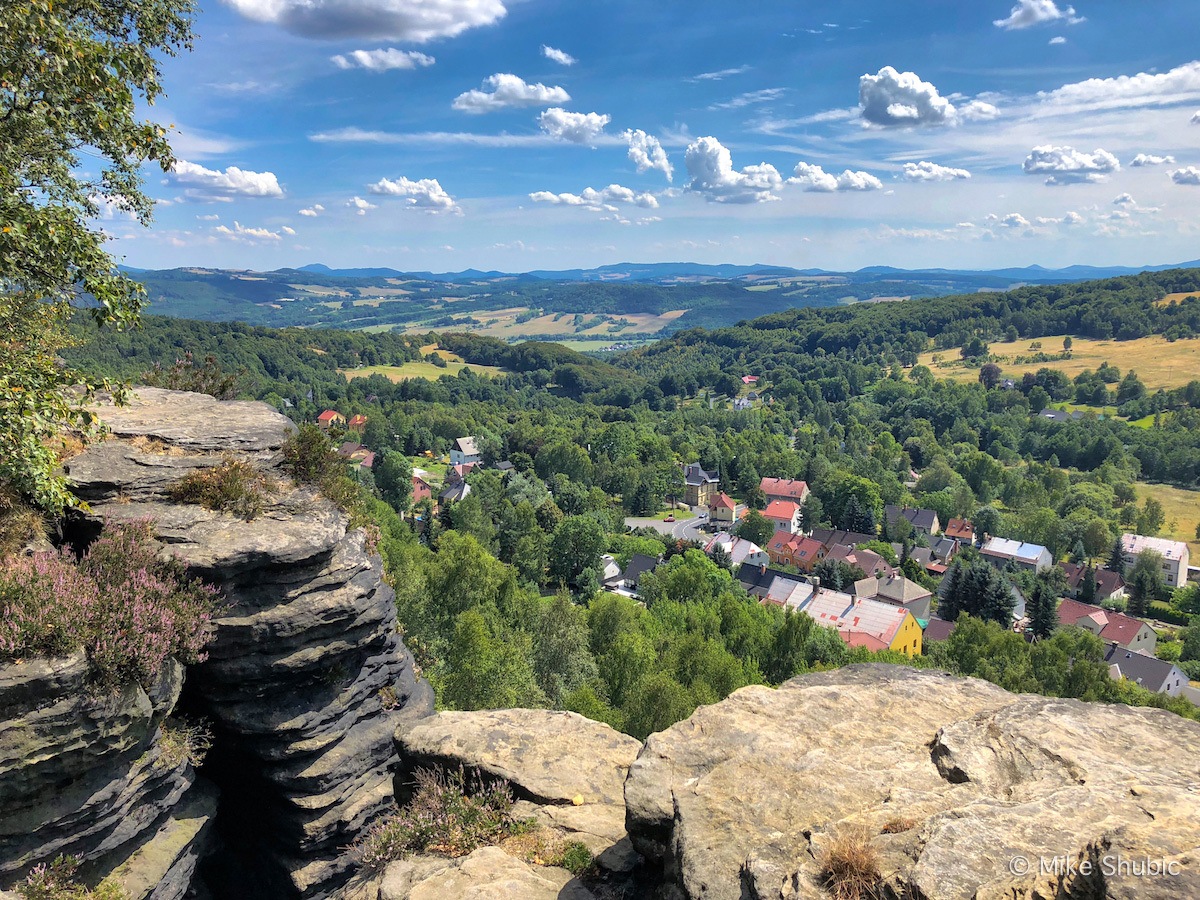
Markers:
point(1176, 298)
point(421, 369)
point(503, 324)
point(1159, 363)
point(1179, 506)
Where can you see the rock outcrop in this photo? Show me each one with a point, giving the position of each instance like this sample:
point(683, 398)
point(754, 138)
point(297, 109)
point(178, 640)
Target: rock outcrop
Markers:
point(307, 679)
point(962, 789)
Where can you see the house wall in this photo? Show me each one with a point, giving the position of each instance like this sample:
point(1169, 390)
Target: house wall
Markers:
point(908, 637)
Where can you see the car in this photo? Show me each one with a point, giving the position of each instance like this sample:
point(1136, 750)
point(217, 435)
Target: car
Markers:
point(701, 515)
point(669, 519)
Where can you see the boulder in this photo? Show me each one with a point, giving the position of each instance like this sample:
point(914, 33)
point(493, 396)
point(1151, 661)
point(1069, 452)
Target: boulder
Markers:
point(487, 874)
point(956, 784)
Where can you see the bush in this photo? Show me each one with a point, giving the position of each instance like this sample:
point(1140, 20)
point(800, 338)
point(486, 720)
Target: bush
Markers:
point(850, 866)
point(447, 815)
point(126, 607)
point(56, 881)
point(309, 457)
point(576, 858)
point(184, 741)
point(234, 486)
point(185, 375)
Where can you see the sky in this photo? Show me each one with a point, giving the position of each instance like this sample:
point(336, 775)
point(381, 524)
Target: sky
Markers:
point(516, 135)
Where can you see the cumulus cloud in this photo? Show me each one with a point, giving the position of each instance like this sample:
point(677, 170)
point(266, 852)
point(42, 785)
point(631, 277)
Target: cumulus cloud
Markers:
point(578, 128)
point(1179, 85)
point(425, 194)
point(359, 205)
point(1147, 159)
point(405, 20)
point(598, 201)
point(1055, 41)
point(503, 90)
point(1188, 175)
point(814, 178)
point(1012, 220)
point(648, 154)
point(1071, 218)
point(929, 171)
point(894, 98)
point(287, 230)
point(244, 235)
point(978, 111)
point(711, 168)
point(1066, 165)
point(559, 56)
point(211, 184)
point(382, 60)
point(1124, 200)
point(313, 211)
point(1028, 13)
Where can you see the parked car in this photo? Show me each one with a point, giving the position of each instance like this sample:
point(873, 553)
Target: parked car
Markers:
point(670, 518)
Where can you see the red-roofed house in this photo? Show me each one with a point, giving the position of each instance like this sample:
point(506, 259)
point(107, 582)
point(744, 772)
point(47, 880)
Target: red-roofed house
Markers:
point(421, 490)
point(357, 422)
point(796, 550)
point(722, 511)
point(1108, 584)
point(1111, 627)
point(784, 489)
point(329, 418)
point(869, 561)
point(784, 515)
point(749, 379)
point(960, 530)
point(892, 626)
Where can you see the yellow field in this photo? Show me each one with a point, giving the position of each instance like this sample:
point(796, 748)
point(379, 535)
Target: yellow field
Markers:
point(421, 369)
point(1177, 298)
point(1159, 363)
point(1179, 506)
point(502, 323)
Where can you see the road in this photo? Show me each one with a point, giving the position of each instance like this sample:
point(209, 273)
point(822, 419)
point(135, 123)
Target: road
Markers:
point(686, 528)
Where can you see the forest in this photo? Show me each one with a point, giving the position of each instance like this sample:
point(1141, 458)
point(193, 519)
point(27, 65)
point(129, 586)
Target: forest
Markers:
point(498, 593)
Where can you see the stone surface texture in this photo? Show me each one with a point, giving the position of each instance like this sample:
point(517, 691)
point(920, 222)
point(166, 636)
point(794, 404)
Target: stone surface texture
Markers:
point(950, 779)
point(306, 641)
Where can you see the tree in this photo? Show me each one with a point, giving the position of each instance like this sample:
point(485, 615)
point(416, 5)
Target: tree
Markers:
point(1116, 558)
point(1087, 588)
point(986, 521)
point(756, 528)
point(1145, 581)
point(576, 546)
point(393, 476)
point(989, 375)
point(71, 78)
point(562, 661)
point(483, 671)
point(1067, 344)
point(1043, 608)
point(1150, 519)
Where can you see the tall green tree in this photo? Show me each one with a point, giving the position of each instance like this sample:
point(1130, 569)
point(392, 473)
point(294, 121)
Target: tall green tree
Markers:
point(393, 476)
point(72, 145)
point(1042, 608)
point(1146, 583)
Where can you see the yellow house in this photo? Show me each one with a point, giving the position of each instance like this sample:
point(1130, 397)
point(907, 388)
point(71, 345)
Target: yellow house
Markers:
point(865, 623)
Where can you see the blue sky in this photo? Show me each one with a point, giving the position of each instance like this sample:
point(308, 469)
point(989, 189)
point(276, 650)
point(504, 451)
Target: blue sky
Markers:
point(526, 134)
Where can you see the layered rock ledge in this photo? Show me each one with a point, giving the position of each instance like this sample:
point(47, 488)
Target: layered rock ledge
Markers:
point(962, 789)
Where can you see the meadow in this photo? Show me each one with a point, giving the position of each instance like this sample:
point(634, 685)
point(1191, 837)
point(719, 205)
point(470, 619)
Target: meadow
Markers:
point(422, 369)
point(1181, 508)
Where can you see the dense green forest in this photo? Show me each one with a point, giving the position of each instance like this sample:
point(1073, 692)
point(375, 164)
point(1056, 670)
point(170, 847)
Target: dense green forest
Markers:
point(498, 594)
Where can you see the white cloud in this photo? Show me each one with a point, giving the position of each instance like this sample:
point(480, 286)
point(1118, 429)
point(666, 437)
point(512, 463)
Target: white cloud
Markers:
point(559, 56)
point(211, 218)
point(1124, 200)
point(598, 201)
point(287, 230)
point(648, 154)
point(382, 60)
point(720, 74)
point(313, 211)
point(929, 171)
point(1055, 41)
point(1028, 13)
point(1071, 218)
point(406, 20)
point(1012, 220)
point(245, 235)
point(978, 111)
point(902, 98)
point(360, 205)
point(503, 90)
point(1179, 85)
point(211, 184)
point(766, 95)
point(713, 175)
point(578, 128)
point(425, 194)
point(1188, 175)
point(1066, 165)
point(814, 178)
point(1146, 159)
point(1196, 118)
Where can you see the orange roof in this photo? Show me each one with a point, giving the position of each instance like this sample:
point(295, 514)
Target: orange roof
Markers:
point(357, 420)
point(724, 501)
point(781, 509)
point(861, 639)
point(962, 529)
point(784, 487)
point(329, 415)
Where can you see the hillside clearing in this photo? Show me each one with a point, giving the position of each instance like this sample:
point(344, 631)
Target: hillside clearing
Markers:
point(419, 368)
point(1179, 506)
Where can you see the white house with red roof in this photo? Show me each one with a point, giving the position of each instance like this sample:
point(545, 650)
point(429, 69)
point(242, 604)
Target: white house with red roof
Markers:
point(784, 515)
point(1110, 627)
point(784, 489)
point(722, 511)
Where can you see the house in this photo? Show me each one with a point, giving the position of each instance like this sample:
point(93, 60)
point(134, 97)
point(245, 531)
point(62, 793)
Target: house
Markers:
point(348, 449)
point(329, 418)
point(609, 570)
point(1031, 557)
point(773, 586)
point(923, 521)
point(741, 404)
point(870, 562)
point(831, 536)
point(943, 550)
point(784, 515)
point(459, 490)
point(358, 454)
point(1109, 585)
point(504, 467)
point(740, 550)
point(937, 630)
point(749, 379)
point(787, 549)
point(1110, 627)
point(1175, 557)
point(868, 623)
point(367, 461)
point(699, 486)
point(898, 591)
point(464, 452)
point(960, 530)
point(357, 423)
point(1058, 415)
point(455, 474)
point(1153, 674)
point(627, 582)
point(722, 511)
point(421, 489)
point(784, 489)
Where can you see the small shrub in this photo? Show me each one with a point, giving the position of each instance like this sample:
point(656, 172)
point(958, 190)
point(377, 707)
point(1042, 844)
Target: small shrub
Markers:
point(388, 698)
point(183, 740)
point(898, 825)
point(234, 486)
point(56, 881)
point(19, 522)
point(576, 858)
point(447, 815)
point(309, 457)
point(186, 375)
point(850, 866)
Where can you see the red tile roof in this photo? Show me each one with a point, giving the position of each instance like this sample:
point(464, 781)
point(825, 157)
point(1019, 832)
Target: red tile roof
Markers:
point(724, 501)
point(783, 510)
point(784, 487)
point(329, 415)
point(358, 420)
point(960, 529)
point(861, 639)
point(749, 379)
point(1115, 627)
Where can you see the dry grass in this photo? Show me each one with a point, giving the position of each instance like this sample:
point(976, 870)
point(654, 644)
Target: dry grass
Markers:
point(20, 523)
point(1181, 507)
point(1178, 297)
point(544, 847)
point(899, 825)
point(234, 486)
point(1159, 363)
point(417, 369)
point(850, 865)
point(155, 445)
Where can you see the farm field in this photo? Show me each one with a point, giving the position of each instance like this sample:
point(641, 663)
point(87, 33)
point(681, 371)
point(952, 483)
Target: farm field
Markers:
point(1159, 363)
point(1179, 506)
point(421, 368)
point(503, 324)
